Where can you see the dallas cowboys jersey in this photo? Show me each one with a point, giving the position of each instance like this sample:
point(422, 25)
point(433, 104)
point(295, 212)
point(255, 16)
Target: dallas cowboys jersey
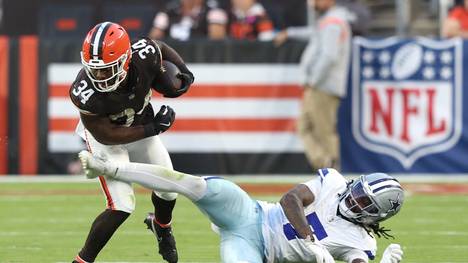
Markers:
point(342, 238)
point(129, 104)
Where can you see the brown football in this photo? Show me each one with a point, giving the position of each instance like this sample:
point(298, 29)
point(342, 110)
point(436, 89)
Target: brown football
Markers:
point(167, 83)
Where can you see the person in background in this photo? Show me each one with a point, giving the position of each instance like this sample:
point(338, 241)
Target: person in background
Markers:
point(360, 16)
point(324, 69)
point(249, 20)
point(189, 19)
point(456, 23)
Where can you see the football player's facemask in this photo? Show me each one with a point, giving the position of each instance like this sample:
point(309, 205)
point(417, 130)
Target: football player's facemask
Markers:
point(106, 56)
point(371, 199)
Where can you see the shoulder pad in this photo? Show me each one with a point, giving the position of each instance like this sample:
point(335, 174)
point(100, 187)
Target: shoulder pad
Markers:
point(146, 52)
point(330, 174)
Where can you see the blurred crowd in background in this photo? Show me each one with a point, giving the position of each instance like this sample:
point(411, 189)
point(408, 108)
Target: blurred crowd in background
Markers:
point(223, 19)
point(177, 19)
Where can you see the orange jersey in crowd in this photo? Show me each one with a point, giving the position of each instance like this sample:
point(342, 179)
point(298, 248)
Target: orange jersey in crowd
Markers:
point(253, 24)
point(460, 14)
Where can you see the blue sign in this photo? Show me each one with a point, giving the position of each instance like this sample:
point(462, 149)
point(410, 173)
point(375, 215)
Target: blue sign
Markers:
point(404, 110)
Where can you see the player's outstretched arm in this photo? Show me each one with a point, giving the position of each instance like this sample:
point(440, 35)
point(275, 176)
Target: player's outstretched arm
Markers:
point(108, 133)
point(293, 203)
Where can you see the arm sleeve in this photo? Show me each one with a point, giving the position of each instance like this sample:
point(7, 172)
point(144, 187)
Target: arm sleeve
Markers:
point(171, 55)
point(329, 53)
point(300, 32)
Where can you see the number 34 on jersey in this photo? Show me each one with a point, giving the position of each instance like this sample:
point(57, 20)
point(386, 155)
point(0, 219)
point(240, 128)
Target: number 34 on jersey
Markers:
point(82, 91)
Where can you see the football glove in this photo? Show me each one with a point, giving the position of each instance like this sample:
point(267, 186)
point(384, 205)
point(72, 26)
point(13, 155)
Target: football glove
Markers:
point(161, 122)
point(321, 253)
point(187, 80)
point(392, 254)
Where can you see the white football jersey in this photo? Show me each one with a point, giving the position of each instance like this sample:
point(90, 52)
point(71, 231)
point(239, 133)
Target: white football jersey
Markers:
point(342, 238)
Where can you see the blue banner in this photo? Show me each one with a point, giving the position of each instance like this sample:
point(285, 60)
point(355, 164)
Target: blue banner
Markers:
point(404, 111)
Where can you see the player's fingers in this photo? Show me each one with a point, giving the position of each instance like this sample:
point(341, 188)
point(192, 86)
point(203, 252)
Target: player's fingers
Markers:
point(394, 246)
point(397, 257)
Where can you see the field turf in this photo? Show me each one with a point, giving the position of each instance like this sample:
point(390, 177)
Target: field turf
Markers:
point(48, 222)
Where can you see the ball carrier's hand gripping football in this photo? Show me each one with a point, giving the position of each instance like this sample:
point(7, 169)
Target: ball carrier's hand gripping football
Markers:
point(187, 80)
point(172, 82)
point(162, 121)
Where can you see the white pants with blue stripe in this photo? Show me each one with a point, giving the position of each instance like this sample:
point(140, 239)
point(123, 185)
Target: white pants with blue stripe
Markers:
point(239, 219)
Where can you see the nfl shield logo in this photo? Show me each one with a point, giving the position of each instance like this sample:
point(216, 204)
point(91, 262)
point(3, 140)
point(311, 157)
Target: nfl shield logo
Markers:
point(406, 96)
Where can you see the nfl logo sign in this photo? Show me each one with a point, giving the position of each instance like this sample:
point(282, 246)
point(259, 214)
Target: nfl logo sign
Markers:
point(407, 96)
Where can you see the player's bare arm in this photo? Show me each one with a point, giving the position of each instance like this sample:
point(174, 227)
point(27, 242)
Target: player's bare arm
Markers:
point(108, 133)
point(293, 203)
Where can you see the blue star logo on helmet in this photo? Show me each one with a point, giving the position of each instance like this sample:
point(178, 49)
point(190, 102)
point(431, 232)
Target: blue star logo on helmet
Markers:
point(395, 204)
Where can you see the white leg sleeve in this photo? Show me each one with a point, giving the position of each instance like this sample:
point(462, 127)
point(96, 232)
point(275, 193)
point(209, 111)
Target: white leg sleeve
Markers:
point(152, 151)
point(159, 178)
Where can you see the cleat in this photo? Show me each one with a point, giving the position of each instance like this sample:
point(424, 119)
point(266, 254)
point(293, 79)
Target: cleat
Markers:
point(166, 241)
point(94, 166)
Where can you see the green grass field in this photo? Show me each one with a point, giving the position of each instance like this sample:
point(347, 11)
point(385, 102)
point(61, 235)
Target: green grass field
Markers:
point(48, 222)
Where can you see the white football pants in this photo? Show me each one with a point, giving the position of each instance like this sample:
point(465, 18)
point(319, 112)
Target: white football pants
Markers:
point(120, 195)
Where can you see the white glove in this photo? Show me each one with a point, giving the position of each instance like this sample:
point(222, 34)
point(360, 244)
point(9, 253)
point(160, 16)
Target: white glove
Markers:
point(392, 254)
point(321, 253)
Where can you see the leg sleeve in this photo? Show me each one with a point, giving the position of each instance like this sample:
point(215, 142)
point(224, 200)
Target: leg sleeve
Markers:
point(237, 248)
point(238, 218)
point(227, 205)
point(152, 151)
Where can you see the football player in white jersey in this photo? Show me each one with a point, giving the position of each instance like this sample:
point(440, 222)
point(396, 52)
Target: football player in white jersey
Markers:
point(321, 220)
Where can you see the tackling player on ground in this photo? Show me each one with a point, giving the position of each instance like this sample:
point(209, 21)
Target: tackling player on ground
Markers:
point(320, 220)
point(112, 93)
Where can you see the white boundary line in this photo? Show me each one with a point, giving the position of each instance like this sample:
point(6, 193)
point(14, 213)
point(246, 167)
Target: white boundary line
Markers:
point(261, 179)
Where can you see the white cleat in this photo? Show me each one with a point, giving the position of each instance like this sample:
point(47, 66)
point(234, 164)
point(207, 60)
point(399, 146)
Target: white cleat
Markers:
point(95, 166)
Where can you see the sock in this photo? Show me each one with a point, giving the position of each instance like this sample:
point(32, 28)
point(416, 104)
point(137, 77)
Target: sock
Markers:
point(162, 210)
point(78, 259)
point(162, 179)
point(101, 231)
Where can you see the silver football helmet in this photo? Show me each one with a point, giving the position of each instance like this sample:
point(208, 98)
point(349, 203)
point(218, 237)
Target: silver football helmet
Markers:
point(371, 199)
